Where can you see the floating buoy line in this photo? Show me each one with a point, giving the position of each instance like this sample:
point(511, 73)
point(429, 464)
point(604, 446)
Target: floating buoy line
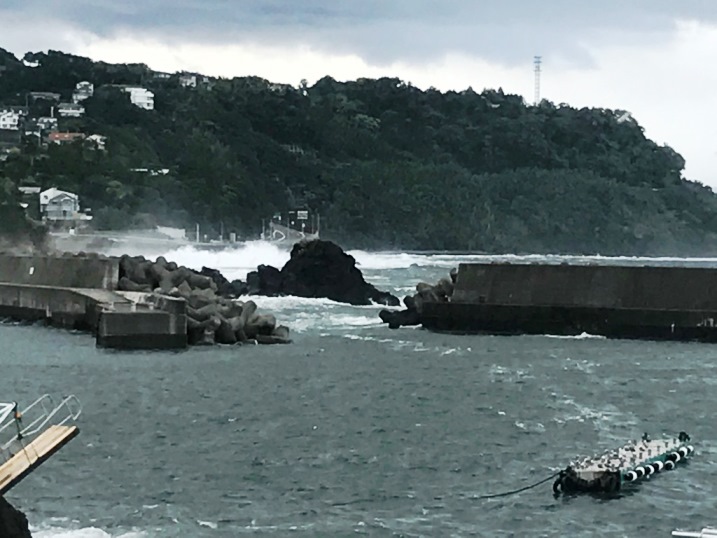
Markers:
point(610, 471)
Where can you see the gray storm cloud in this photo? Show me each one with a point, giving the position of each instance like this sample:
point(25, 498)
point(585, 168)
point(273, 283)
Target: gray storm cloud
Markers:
point(383, 31)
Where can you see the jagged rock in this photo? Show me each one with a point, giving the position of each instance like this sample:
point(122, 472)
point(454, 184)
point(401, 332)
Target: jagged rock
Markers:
point(322, 269)
point(266, 280)
point(398, 318)
point(13, 523)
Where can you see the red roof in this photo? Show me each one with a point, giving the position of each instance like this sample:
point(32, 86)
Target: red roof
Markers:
point(65, 137)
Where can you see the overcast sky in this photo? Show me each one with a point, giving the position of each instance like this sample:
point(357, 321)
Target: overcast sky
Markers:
point(654, 58)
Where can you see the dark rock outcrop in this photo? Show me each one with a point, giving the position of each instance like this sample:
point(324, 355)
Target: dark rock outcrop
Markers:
point(441, 292)
point(318, 268)
point(13, 523)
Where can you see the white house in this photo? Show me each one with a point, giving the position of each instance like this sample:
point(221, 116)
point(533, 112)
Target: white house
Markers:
point(47, 123)
point(97, 141)
point(57, 205)
point(70, 110)
point(188, 80)
point(10, 119)
point(141, 97)
point(83, 90)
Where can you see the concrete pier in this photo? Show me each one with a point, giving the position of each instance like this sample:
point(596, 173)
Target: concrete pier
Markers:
point(676, 303)
point(53, 289)
point(145, 322)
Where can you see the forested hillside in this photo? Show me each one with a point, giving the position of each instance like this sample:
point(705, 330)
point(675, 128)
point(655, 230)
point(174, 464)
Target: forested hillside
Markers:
point(385, 164)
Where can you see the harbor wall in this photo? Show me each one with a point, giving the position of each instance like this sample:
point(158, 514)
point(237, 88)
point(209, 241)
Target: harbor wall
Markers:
point(678, 303)
point(63, 307)
point(79, 292)
point(594, 286)
point(60, 271)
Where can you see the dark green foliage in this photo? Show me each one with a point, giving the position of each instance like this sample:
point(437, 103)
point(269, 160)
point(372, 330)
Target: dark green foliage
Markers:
point(385, 164)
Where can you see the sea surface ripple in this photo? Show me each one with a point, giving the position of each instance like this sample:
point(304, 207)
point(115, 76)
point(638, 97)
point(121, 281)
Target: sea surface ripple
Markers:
point(355, 429)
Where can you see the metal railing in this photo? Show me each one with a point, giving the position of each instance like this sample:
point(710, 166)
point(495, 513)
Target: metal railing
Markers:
point(15, 431)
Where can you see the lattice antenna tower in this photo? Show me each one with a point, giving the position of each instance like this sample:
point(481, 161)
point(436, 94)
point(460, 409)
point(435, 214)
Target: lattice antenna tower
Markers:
point(537, 60)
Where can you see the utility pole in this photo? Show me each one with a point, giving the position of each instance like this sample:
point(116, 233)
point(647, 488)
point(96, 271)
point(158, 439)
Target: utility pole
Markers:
point(537, 60)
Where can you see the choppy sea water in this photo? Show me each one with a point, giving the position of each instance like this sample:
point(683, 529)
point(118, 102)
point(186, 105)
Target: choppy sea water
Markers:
point(355, 429)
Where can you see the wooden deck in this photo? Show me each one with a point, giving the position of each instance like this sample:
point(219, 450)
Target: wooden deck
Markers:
point(34, 454)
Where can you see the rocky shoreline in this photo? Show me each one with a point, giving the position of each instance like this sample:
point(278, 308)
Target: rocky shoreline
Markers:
point(316, 269)
point(412, 314)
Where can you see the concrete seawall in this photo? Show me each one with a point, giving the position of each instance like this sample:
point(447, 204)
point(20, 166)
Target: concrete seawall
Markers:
point(79, 293)
point(677, 303)
point(62, 272)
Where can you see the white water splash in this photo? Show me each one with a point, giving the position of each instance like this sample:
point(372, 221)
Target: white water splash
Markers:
point(234, 263)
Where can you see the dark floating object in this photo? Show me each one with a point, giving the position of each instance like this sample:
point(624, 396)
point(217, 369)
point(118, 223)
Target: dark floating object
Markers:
point(608, 472)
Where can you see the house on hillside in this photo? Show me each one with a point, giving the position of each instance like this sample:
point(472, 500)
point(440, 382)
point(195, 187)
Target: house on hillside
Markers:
point(47, 123)
point(280, 88)
point(46, 96)
point(141, 97)
point(61, 207)
point(151, 171)
point(97, 142)
point(188, 80)
point(83, 90)
point(70, 110)
point(64, 138)
point(10, 119)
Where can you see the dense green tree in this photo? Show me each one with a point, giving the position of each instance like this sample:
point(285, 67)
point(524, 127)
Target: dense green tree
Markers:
point(386, 164)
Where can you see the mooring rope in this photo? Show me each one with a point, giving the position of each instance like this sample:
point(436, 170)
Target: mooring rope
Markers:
point(515, 491)
point(17, 415)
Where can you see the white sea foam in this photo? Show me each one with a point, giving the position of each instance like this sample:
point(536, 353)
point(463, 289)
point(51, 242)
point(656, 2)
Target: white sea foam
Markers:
point(581, 336)
point(233, 262)
point(303, 322)
point(87, 532)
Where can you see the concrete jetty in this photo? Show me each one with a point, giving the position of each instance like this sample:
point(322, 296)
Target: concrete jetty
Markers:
point(80, 292)
point(654, 302)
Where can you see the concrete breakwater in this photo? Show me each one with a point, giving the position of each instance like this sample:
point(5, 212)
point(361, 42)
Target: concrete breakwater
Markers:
point(83, 292)
point(654, 302)
point(212, 311)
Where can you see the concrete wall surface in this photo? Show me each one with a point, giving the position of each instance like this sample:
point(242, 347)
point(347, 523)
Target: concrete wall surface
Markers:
point(60, 271)
point(593, 286)
point(62, 306)
point(142, 329)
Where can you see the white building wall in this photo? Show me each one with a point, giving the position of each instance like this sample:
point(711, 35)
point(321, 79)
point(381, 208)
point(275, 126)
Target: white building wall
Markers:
point(9, 120)
point(141, 97)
